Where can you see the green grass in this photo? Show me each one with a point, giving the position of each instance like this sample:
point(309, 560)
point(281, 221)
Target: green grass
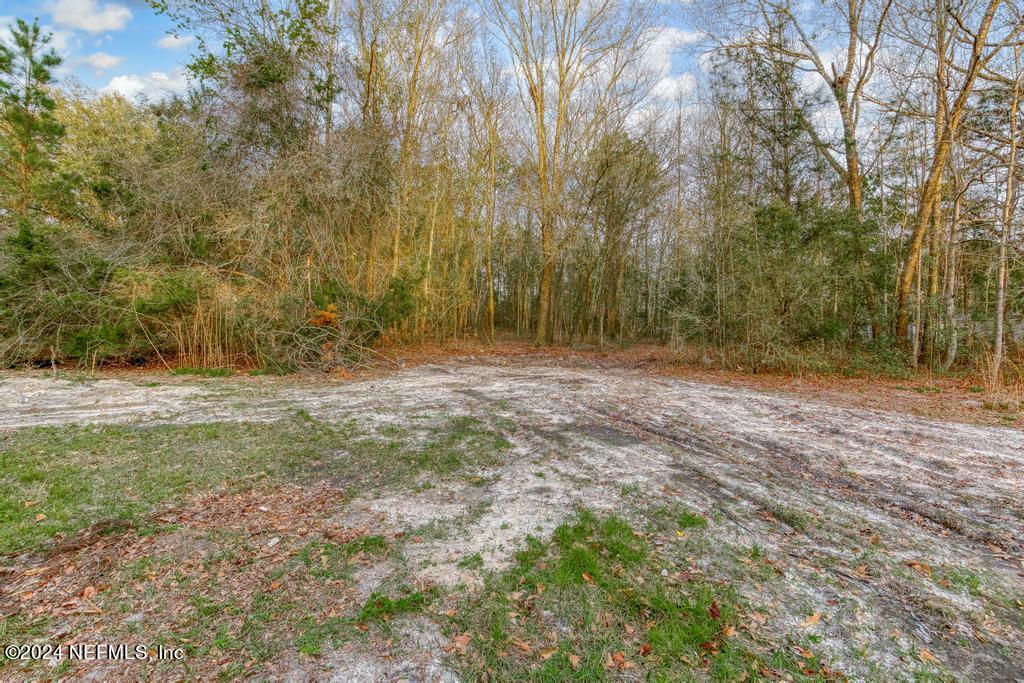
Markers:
point(59, 480)
point(474, 561)
point(594, 590)
point(959, 579)
point(380, 607)
point(332, 561)
point(203, 372)
point(791, 516)
point(674, 517)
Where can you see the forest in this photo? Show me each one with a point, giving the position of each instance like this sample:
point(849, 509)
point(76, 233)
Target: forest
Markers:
point(826, 186)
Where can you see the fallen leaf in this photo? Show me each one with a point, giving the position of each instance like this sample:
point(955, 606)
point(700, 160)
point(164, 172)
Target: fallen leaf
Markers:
point(31, 503)
point(588, 578)
point(811, 620)
point(88, 592)
point(575, 661)
point(522, 645)
point(927, 657)
point(714, 611)
point(461, 642)
point(645, 649)
point(548, 654)
point(728, 631)
point(40, 517)
point(629, 629)
point(921, 568)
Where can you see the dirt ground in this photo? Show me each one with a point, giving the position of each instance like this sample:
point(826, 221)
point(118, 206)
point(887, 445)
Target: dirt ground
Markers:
point(887, 516)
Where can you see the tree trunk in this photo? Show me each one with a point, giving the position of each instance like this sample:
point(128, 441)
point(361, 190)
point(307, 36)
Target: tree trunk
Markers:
point(931, 187)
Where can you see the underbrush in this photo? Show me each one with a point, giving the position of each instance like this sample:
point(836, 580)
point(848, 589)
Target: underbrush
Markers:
point(66, 301)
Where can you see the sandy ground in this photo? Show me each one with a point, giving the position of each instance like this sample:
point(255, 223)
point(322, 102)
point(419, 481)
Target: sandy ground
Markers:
point(865, 511)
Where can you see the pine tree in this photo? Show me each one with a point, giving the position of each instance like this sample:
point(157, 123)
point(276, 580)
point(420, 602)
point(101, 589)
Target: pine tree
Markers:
point(29, 133)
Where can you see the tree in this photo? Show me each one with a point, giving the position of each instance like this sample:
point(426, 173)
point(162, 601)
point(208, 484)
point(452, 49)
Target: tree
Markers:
point(570, 57)
point(29, 133)
point(856, 25)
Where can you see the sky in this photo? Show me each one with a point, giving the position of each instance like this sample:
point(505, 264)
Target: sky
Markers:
point(115, 45)
point(125, 46)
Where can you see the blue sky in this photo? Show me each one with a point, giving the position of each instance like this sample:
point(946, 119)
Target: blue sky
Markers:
point(125, 46)
point(120, 45)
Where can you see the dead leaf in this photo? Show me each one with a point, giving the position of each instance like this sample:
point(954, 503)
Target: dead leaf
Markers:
point(88, 592)
point(588, 578)
point(629, 629)
point(811, 620)
point(548, 654)
point(31, 503)
point(927, 657)
point(715, 613)
point(645, 649)
point(921, 568)
point(461, 642)
point(274, 585)
point(575, 661)
point(522, 645)
point(40, 517)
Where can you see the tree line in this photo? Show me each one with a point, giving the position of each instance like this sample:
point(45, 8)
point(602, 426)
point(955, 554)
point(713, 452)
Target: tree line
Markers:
point(829, 185)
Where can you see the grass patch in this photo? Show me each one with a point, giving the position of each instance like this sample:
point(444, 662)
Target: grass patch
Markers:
point(674, 517)
point(958, 579)
point(592, 604)
point(474, 561)
point(203, 372)
point(55, 481)
point(791, 516)
point(381, 608)
point(330, 561)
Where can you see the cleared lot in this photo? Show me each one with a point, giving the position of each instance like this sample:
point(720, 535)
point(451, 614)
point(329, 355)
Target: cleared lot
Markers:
point(381, 528)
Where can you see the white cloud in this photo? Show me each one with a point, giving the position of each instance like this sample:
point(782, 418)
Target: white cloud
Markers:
point(101, 61)
point(171, 42)
point(151, 86)
point(89, 15)
point(670, 87)
point(659, 61)
point(61, 41)
point(663, 47)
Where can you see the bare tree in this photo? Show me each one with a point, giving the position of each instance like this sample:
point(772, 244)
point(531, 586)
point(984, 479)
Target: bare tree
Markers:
point(569, 56)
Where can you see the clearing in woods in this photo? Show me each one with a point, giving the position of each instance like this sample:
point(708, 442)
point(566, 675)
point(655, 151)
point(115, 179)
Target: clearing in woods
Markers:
point(512, 518)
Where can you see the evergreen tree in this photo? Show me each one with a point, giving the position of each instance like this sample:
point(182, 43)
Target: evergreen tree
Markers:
point(29, 133)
